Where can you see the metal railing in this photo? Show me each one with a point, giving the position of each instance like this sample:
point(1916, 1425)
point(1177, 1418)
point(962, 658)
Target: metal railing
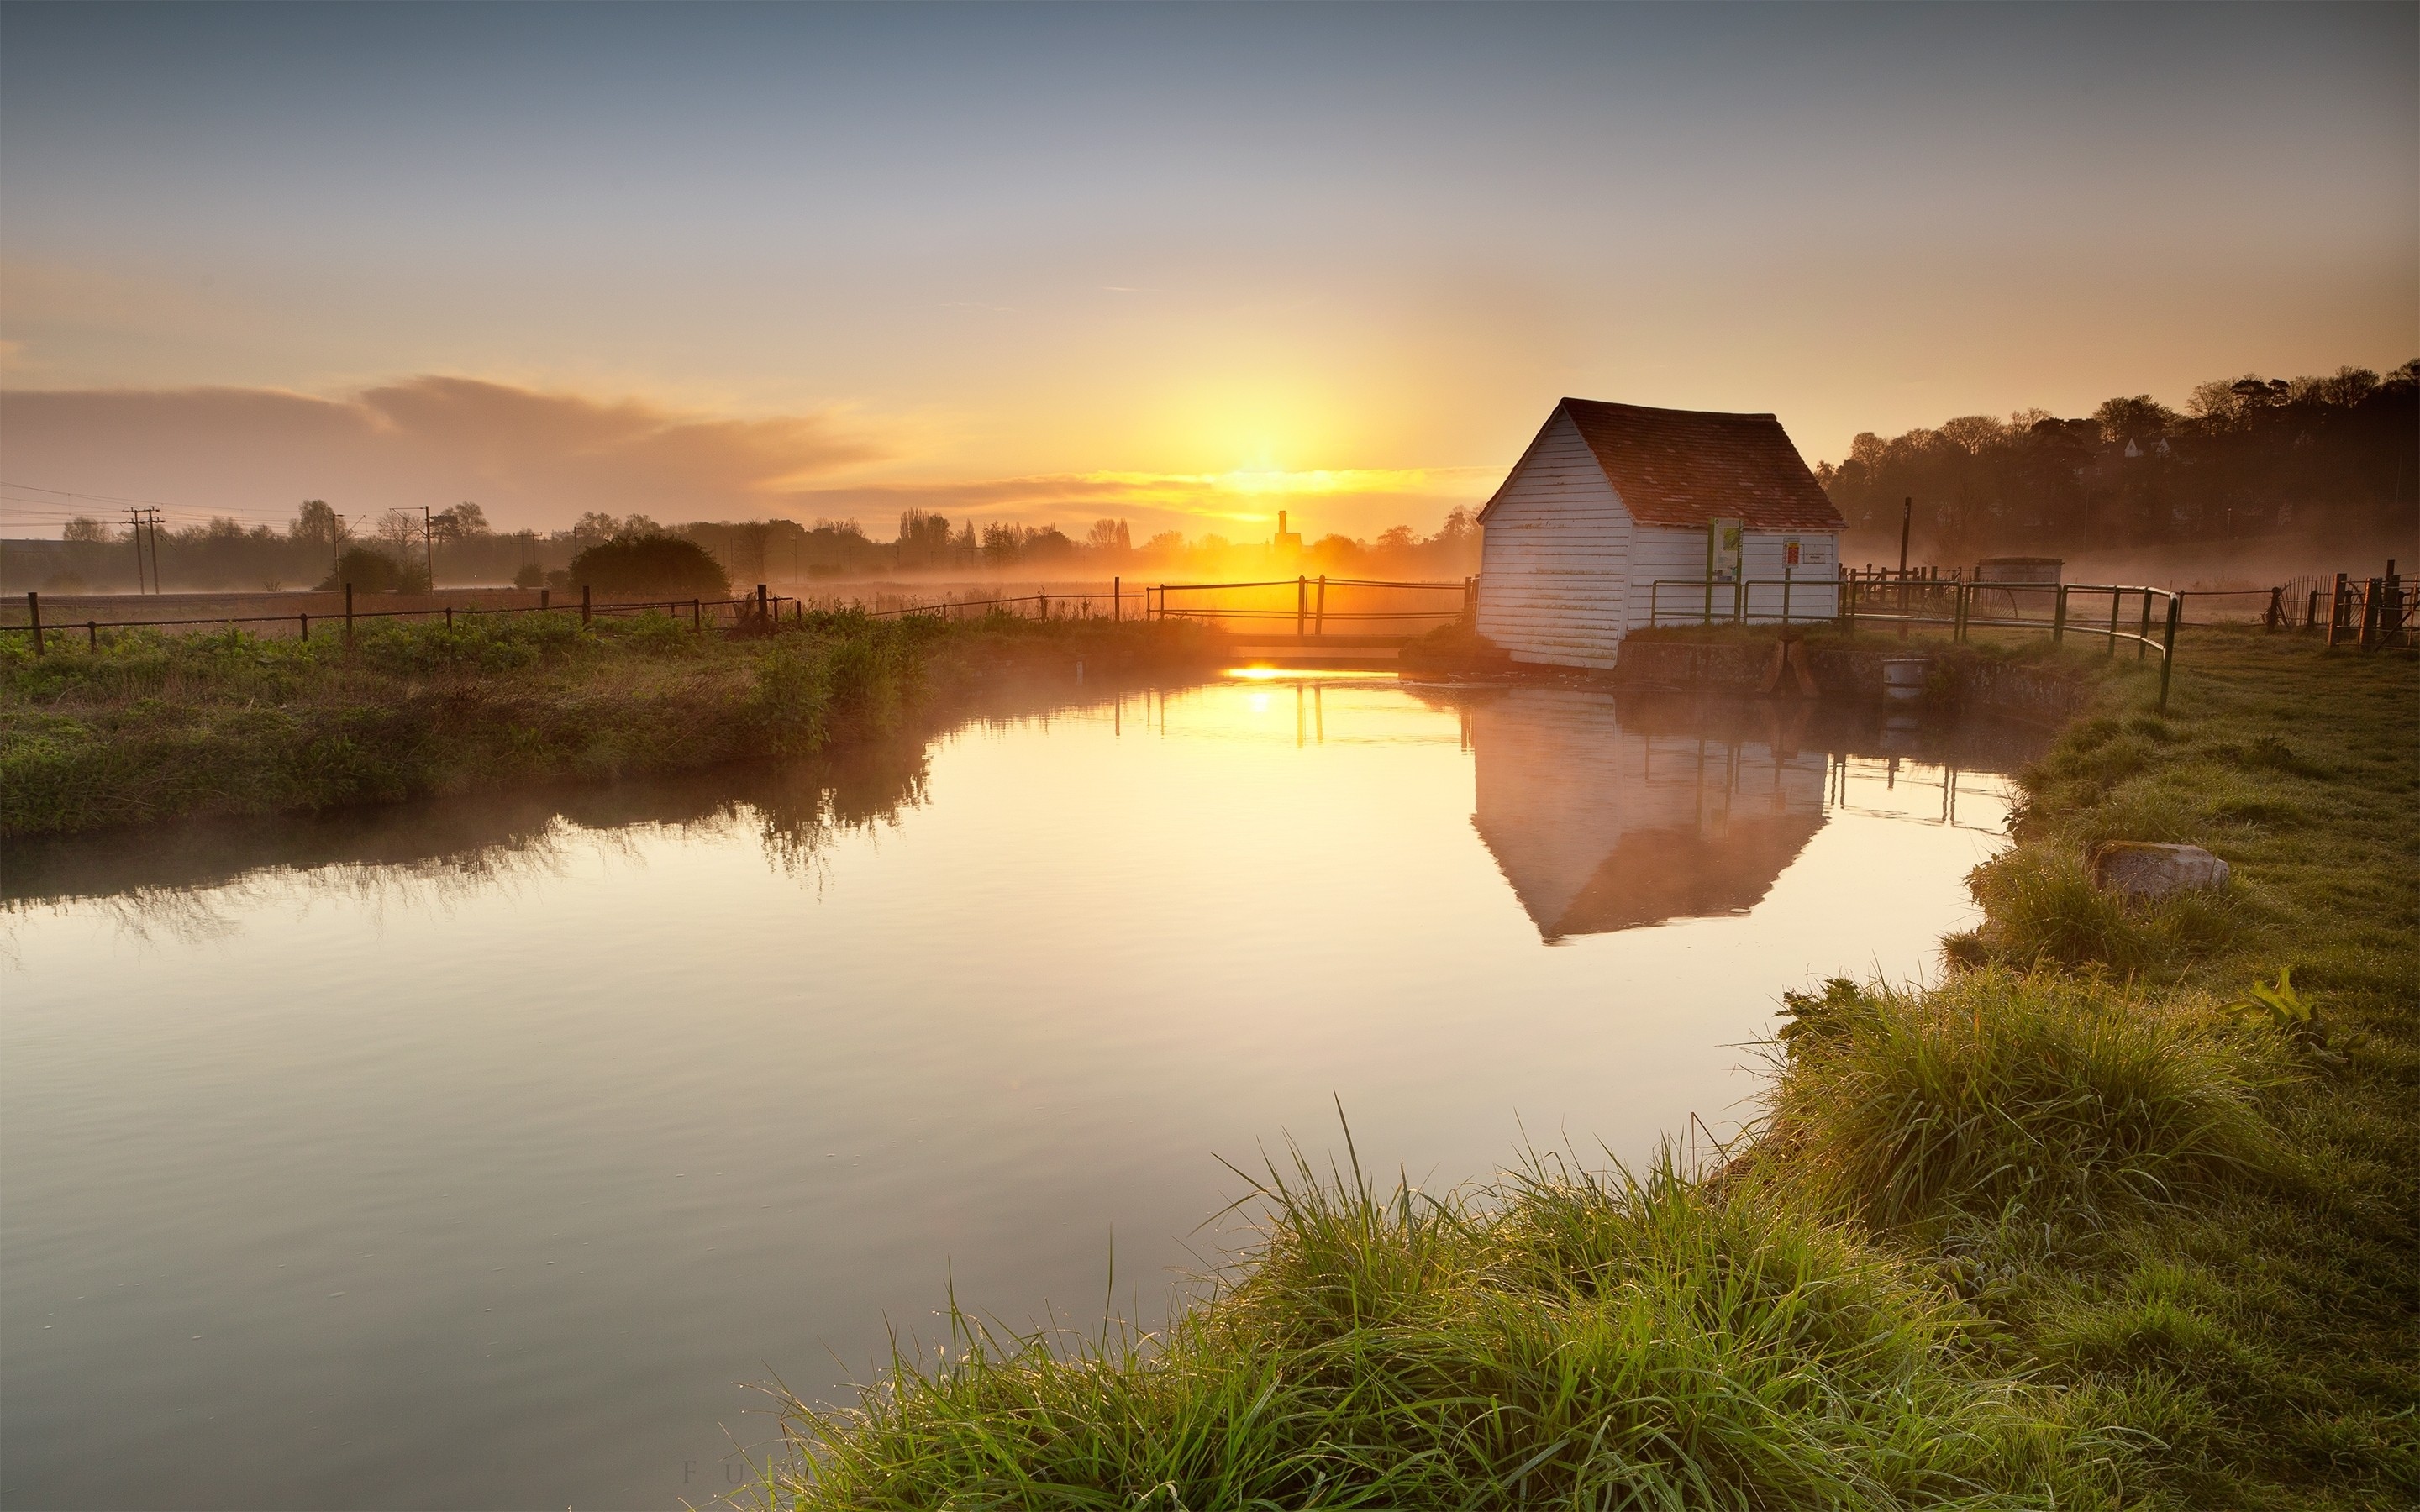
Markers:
point(1961, 605)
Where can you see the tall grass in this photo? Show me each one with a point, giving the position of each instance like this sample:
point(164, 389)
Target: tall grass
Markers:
point(2039, 1097)
point(1561, 1338)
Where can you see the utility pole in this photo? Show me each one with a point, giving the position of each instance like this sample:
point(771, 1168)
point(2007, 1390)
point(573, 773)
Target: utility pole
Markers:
point(134, 533)
point(428, 544)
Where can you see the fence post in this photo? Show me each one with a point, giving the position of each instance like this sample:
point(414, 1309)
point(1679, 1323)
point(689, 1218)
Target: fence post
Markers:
point(2311, 613)
point(1739, 595)
point(1319, 625)
point(2335, 610)
point(2058, 616)
point(34, 611)
point(1042, 605)
point(2169, 647)
point(1785, 595)
point(449, 616)
point(697, 616)
point(2372, 594)
point(2276, 615)
point(306, 627)
point(2143, 642)
point(1117, 600)
point(348, 616)
point(1301, 603)
point(583, 604)
point(92, 635)
point(2116, 595)
point(1710, 591)
point(764, 610)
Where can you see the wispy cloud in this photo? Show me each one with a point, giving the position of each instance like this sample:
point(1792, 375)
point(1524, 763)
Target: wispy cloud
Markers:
point(529, 455)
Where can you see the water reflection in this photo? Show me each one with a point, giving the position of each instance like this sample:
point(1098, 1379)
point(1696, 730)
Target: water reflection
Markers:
point(468, 1153)
point(1611, 813)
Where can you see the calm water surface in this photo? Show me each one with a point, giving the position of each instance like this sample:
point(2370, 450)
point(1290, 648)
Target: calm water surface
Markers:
point(481, 1155)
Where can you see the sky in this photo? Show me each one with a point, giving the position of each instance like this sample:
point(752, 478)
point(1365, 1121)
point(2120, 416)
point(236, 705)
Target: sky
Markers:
point(1183, 265)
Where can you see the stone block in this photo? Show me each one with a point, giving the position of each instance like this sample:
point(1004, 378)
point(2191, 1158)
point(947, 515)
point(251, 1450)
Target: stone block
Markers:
point(2140, 868)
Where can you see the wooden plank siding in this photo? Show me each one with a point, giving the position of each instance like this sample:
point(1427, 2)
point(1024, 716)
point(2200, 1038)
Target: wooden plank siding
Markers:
point(1668, 554)
point(1555, 562)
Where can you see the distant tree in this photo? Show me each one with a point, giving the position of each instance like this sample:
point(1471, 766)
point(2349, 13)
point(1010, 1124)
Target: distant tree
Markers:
point(664, 566)
point(400, 529)
point(924, 538)
point(315, 524)
point(460, 523)
point(2142, 416)
point(1001, 544)
point(529, 575)
point(1109, 537)
point(83, 528)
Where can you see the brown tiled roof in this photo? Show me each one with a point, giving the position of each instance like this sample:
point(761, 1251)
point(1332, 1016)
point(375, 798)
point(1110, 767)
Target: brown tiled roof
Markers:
point(1686, 467)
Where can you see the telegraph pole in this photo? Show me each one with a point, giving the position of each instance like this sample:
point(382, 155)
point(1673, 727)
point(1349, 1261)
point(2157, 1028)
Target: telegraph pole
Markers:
point(134, 533)
point(428, 544)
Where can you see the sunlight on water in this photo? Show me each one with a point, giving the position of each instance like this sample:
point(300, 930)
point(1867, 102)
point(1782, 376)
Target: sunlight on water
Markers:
point(474, 1155)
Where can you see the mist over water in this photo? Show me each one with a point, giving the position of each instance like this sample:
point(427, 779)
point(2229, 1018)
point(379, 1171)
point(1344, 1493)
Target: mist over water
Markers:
point(480, 1154)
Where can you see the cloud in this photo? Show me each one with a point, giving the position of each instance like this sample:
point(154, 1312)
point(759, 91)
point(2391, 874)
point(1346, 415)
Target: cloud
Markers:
point(531, 457)
point(538, 459)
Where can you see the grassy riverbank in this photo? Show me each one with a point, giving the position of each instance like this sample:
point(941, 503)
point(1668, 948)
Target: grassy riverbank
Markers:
point(148, 727)
point(2121, 1213)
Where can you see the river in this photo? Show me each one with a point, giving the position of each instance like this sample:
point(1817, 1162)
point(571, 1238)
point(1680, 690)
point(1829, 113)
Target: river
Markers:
point(488, 1153)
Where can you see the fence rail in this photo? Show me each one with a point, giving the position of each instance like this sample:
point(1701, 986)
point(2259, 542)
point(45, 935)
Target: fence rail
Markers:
point(742, 610)
point(1309, 610)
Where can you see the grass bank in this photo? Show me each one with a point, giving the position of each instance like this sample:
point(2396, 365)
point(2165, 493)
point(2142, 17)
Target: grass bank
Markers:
point(2121, 1213)
point(145, 726)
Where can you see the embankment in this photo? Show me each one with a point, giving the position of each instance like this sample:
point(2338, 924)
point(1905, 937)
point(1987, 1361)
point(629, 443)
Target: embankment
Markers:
point(143, 727)
point(2121, 1213)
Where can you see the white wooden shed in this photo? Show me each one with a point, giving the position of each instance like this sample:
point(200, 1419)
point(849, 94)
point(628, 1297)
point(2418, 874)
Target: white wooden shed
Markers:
point(1612, 499)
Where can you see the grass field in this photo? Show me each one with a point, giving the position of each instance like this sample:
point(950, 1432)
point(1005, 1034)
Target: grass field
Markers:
point(2121, 1213)
point(148, 727)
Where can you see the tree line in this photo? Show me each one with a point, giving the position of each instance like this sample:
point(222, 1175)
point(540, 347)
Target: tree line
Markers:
point(2249, 458)
point(399, 550)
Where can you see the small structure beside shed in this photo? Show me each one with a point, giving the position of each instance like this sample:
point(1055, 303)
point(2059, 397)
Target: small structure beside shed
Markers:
point(1612, 499)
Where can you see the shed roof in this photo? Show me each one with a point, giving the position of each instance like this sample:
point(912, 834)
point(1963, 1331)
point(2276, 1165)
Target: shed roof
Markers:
point(1687, 467)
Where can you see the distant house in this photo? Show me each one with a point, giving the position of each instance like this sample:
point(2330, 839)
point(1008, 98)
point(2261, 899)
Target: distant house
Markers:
point(1612, 499)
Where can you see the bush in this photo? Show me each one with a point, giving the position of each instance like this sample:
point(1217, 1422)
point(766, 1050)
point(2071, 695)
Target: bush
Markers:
point(375, 572)
point(531, 576)
point(663, 565)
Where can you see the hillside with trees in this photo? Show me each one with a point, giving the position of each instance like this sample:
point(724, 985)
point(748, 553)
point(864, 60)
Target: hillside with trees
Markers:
point(2333, 459)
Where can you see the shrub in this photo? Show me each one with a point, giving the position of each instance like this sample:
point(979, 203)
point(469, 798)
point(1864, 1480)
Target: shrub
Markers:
point(530, 575)
point(375, 572)
point(664, 566)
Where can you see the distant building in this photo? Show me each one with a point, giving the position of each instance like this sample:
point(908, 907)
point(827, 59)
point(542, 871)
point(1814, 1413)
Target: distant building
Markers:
point(1612, 499)
point(1285, 543)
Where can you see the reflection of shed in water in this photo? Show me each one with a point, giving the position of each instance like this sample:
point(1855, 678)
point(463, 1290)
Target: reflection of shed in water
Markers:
point(1601, 829)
